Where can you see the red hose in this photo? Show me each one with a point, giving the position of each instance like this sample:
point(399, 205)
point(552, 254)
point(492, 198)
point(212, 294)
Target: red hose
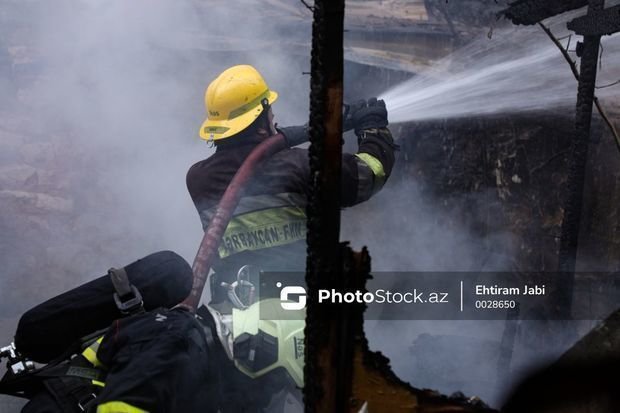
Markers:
point(224, 212)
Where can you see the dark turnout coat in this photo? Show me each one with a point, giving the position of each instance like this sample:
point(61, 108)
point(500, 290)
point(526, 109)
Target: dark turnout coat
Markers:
point(268, 228)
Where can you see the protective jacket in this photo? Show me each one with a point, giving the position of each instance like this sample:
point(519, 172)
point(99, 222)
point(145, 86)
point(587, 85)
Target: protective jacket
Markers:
point(161, 361)
point(268, 228)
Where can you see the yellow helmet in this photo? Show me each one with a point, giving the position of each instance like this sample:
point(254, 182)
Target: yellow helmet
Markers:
point(233, 101)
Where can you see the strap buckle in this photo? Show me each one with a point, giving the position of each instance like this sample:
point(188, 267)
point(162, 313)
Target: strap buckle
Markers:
point(125, 289)
point(86, 401)
point(130, 305)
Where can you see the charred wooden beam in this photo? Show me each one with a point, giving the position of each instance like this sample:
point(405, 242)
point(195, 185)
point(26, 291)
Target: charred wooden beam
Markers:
point(597, 23)
point(327, 371)
point(577, 162)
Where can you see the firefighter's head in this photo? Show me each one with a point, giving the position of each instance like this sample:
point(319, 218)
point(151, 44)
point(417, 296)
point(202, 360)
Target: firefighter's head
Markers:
point(238, 104)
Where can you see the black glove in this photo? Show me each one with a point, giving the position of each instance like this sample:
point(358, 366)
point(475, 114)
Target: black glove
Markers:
point(349, 111)
point(294, 135)
point(373, 115)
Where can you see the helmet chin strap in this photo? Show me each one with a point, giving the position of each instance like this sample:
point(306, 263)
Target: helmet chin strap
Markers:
point(272, 127)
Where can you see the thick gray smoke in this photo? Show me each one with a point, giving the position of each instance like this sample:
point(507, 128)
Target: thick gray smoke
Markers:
point(101, 125)
point(127, 78)
point(518, 70)
point(406, 231)
point(117, 88)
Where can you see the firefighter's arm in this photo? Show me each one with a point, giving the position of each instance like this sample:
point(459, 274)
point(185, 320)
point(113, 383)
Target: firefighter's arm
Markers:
point(294, 135)
point(365, 173)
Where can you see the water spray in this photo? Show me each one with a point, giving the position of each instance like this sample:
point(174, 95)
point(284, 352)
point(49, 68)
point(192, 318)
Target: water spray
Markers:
point(517, 70)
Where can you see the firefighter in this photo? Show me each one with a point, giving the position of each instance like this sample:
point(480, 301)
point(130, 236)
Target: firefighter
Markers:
point(226, 358)
point(169, 360)
point(151, 362)
point(117, 344)
point(268, 229)
point(152, 358)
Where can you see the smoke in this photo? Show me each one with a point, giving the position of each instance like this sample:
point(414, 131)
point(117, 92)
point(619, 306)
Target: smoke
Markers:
point(106, 114)
point(406, 229)
point(103, 126)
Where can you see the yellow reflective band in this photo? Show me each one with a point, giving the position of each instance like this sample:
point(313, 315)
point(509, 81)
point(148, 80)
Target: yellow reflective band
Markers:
point(248, 106)
point(118, 407)
point(98, 383)
point(263, 229)
point(91, 353)
point(259, 202)
point(374, 164)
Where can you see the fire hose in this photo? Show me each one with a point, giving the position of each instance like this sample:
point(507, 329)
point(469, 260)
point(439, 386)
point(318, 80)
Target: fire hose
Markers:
point(223, 214)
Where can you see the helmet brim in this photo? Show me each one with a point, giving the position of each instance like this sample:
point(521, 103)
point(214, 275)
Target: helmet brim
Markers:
point(222, 129)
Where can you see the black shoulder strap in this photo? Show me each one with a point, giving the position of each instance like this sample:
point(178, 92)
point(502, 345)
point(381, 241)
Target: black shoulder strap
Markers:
point(71, 393)
point(127, 297)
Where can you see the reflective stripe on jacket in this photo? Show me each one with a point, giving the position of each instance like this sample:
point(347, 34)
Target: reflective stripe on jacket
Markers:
point(271, 213)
